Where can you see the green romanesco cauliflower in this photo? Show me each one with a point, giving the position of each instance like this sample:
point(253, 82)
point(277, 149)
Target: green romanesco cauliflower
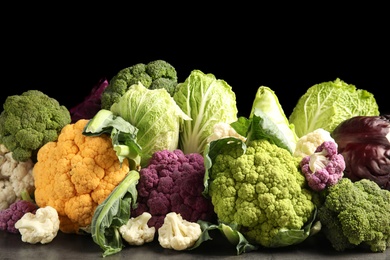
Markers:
point(153, 75)
point(29, 121)
point(356, 214)
point(262, 191)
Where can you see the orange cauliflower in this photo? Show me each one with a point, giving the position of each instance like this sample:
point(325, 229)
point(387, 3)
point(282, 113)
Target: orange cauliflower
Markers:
point(75, 174)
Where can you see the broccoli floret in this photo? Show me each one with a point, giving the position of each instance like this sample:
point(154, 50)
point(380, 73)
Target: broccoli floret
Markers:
point(356, 214)
point(29, 121)
point(153, 75)
point(262, 191)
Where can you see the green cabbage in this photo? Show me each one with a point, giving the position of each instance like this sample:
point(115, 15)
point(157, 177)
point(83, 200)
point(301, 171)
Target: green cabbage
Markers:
point(156, 116)
point(327, 104)
point(207, 101)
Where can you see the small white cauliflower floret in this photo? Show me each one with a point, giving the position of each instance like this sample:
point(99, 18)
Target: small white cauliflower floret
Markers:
point(136, 231)
point(223, 130)
point(307, 144)
point(178, 233)
point(39, 228)
point(15, 178)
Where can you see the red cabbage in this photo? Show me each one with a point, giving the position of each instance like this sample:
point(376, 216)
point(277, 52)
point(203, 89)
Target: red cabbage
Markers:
point(364, 143)
point(91, 104)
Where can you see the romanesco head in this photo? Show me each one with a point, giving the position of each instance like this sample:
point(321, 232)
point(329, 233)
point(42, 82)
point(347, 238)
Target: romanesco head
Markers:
point(262, 190)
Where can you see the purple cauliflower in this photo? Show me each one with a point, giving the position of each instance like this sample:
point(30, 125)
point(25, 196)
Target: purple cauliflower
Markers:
point(10, 215)
point(323, 168)
point(173, 182)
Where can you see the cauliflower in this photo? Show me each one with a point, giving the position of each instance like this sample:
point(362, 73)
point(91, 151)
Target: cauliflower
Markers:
point(222, 130)
point(173, 182)
point(16, 210)
point(75, 174)
point(41, 227)
point(30, 120)
point(324, 167)
point(177, 233)
point(356, 214)
point(307, 144)
point(136, 231)
point(153, 75)
point(15, 177)
point(260, 189)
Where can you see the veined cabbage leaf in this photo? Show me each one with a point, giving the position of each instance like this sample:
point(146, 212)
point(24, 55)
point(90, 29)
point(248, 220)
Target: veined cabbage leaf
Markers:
point(156, 116)
point(207, 100)
point(327, 104)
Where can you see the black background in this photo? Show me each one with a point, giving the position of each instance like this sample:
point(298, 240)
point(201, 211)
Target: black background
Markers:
point(66, 54)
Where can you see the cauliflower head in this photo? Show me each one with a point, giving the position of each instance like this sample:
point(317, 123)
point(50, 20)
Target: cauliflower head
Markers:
point(261, 190)
point(307, 144)
point(173, 182)
point(75, 174)
point(15, 178)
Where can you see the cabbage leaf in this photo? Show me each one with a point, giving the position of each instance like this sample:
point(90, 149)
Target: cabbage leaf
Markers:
point(156, 116)
point(207, 101)
point(327, 104)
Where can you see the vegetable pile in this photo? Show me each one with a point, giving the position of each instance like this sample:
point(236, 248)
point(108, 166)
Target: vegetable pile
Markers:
point(147, 156)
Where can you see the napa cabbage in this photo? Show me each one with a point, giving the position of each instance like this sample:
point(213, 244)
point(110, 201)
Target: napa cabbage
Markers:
point(207, 101)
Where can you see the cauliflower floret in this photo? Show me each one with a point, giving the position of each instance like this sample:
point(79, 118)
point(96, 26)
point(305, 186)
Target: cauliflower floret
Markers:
point(177, 233)
point(307, 144)
point(136, 231)
point(323, 168)
point(41, 227)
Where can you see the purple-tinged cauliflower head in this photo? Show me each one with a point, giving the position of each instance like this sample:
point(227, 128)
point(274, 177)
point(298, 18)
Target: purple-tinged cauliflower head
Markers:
point(173, 182)
point(10, 215)
point(323, 168)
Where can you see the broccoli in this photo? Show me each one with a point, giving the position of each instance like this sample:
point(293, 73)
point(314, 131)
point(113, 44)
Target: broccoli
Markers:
point(260, 190)
point(153, 75)
point(29, 121)
point(356, 214)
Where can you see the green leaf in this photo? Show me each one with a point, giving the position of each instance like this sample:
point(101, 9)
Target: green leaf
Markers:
point(114, 212)
point(122, 133)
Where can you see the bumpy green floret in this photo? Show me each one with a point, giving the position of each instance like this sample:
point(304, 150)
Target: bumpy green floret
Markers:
point(262, 191)
point(30, 120)
point(153, 75)
point(356, 214)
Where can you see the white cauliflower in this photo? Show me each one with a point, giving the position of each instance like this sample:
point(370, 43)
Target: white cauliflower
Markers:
point(41, 227)
point(307, 144)
point(15, 177)
point(177, 233)
point(223, 130)
point(136, 231)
